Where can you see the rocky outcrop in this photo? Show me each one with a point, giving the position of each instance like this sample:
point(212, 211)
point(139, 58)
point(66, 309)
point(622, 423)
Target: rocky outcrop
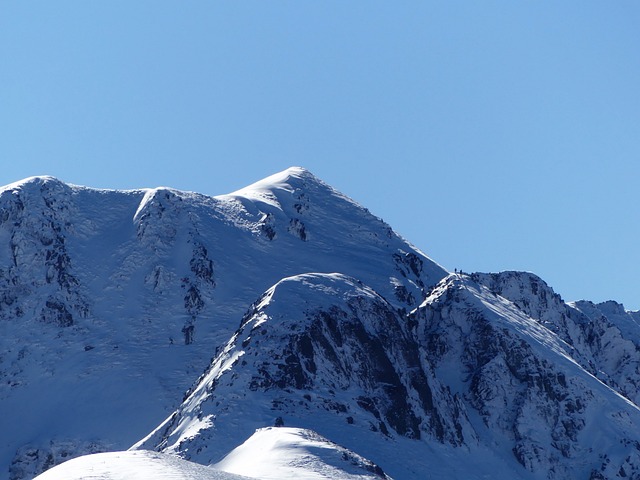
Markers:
point(521, 379)
point(38, 280)
point(604, 339)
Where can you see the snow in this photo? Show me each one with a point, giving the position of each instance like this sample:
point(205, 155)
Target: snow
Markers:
point(287, 180)
point(280, 452)
point(286, 311)
point(626, 321)
point(139, 465)
point(270, 453)
point(562, 411)
point(26, 182)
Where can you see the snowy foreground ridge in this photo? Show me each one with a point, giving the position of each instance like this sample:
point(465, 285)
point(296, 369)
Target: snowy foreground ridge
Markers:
point(271, 453)
point(283, 331)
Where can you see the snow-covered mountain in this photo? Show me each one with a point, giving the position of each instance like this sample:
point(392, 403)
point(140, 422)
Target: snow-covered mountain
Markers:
point(468, 370)
point(323, 351)
point(604, 339)
point(313, 323)
point(112, 303)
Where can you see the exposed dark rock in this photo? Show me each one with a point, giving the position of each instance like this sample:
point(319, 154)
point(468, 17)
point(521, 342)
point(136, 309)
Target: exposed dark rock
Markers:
point(297, 228)
point(56, 313)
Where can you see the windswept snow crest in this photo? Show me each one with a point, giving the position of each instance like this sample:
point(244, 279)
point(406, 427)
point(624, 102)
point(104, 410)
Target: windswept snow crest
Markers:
point(281, 452)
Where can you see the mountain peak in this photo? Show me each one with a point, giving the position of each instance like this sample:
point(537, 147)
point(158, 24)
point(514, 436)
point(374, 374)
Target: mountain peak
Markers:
point(289, 179)
point(30, 182)
point(275, 188)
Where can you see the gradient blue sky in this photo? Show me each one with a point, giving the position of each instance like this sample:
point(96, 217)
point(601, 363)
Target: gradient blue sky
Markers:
point(493, 135)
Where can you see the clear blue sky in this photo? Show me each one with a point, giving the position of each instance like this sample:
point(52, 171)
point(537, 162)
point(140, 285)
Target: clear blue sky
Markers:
point(493, 135)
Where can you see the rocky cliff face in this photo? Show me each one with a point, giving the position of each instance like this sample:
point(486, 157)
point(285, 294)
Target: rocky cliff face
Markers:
point(521, 379)
point(37, 277)
point(604, 338)
point(468, 369)
point(319, 348)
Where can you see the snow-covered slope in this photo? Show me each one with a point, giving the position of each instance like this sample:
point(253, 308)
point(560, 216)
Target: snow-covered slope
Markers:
point(604, 338)
point(466, 375)
point(319, 351)
point(281, 452)
point(113, 302)
point(139, 465)
point(523, 388)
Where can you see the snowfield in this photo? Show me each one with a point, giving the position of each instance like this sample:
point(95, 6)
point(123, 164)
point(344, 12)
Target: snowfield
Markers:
point(281, 452)
point(140, 465)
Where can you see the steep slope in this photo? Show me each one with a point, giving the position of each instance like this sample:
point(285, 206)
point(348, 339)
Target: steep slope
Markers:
point(613, 336)
point(466, 385)
point(604, 338)
point(527, 393)
point(322, 351)
point(112, 302)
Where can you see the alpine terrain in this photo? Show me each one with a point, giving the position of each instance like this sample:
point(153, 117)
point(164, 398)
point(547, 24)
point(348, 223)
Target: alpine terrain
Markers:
point(283, 331)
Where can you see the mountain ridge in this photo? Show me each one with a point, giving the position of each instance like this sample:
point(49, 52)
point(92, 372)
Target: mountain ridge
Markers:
point(304, 311)
point(492, 376)
point(124, 295)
